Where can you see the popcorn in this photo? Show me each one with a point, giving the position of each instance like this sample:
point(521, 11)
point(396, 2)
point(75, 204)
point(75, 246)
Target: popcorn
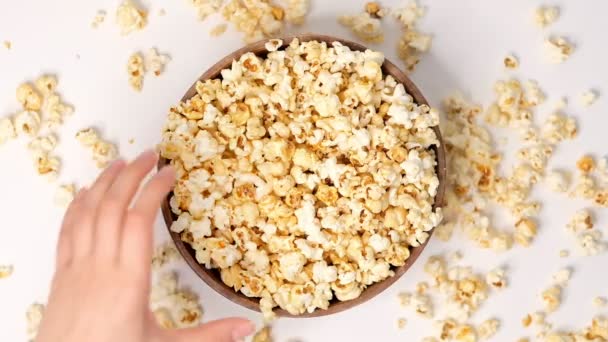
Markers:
point(296, 11)
point(546, 15)
point(600, 302)
point(496, 278)
point(401, 323)
point(29, 99)
point(562, 276)
point(102, 151)
point(155, 62)
point(33, 317)
point(204, 8)
point(564, 253)
point(64, 195)
point(218, 30)
point(47, 166)
point(525, 231)
point(585, 164)
point(56, 110)
point(164, 254)
point(557, 181)
point(364, 27)
point(278, 174)
point(551, 298)
point(27, 123)
point(130, 18)
point(263, 335)
point(256, 19)
point(46, 84)
point(581, 221)
point(174, 307)
point(6, 271)
point(511, 62)
point(588, 97)
point(7, 130)
point(558, 49)
point(373, 8)
point(589, 243)
point(488, 328)
point(98, 19)
point(135, 68)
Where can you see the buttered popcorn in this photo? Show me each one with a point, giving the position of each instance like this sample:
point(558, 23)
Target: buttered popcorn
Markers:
point(103, 152)
point(305, 176)
point(174, 307)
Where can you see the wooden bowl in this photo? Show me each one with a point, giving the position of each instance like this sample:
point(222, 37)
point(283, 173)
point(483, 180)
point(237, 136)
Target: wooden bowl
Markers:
point(212, 277)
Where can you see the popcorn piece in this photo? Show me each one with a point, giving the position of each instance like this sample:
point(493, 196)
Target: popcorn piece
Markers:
point(588, 97)
point(263, 335)
point(511, 62)
point(174, 307)
point(130, 18)
point(42, 145)
point(296, 11)
point(564, 253)
point(590, 243)
point(46, 84)
point(7, 130)
point(558, 49)
point(98, 19)
point(364, 27)
point(374, 9)
point(7, 44)
point(135, 68)
point(600, 302)
point(256, 19)
point(103, 152)
point(154, 63)
point(64, 195)
point(546, 15)
point(488, 328)
point(557, 181)
point(56, 110)
point(581, 221)
point(562, 277)
point(525, 231)
point(33, 317)
point(47, 166)
point(218, 30)
point(6, 271)
point(401, 323)
point(204, 8)
point(496, 278)
point(29, 99)
point(551, 298)
point(586, 164)
point(164, 254)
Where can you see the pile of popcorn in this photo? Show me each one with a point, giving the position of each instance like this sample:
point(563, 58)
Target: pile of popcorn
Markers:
point(305, 176)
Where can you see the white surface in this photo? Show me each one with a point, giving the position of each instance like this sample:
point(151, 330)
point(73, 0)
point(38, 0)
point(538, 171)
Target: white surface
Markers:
point(471, 38)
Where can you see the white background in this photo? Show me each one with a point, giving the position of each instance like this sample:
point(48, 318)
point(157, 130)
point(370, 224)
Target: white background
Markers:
point(470, 40)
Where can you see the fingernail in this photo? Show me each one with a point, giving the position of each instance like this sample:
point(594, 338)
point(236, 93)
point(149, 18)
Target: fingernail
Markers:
point(242, 331)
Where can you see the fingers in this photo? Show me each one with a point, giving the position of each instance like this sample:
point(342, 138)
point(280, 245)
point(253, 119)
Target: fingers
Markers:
point(224, 330)
point(136, 244)
point(115, 203)
point(84, 221)
point(65, 241)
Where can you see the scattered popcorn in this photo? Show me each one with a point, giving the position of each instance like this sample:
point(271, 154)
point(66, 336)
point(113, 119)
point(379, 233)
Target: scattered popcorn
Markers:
point(130, 18)
point(47, 166)
point(46, 84)
point(136, 70)
point(511, 62)
point(546, 15)
point(525, 231)
point(33, 317)
point(562, 277)
point(488, 328)
point(600, 302)
point(590, 243)
point(155, 62)
point(496, 278)
point(174, 307)
point(7, 44)
point(557, 181)
point(401, 323)
point(374, 9)
point(218, 30)
point(64, 195)
point(98, 19)
point(564, 253)
point(103, 152)
point(164, 254)
point(6, 271)
point(412, 42)
point(588, 97)
point(7, 130)
point(364, 27)
point(585, 164)
point(580, 222)
point(551, 298)
point(204, 8)
point(29, 98)
point(298, 171)
point(263, 335)
point(558, 49)
point(296, 11)
point(257, 19)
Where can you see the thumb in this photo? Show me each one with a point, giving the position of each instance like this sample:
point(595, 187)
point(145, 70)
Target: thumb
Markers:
point(223, 330)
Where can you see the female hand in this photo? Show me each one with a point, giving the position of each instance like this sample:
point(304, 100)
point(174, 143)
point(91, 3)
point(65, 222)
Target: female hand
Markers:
point(101, 286)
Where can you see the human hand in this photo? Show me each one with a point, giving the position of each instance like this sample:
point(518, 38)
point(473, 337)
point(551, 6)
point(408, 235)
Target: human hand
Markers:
point(101, 286)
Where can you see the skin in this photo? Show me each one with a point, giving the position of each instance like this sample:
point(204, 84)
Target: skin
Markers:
point(101, 286)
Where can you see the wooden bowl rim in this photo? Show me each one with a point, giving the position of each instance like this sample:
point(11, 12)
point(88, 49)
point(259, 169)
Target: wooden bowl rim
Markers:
point(212, 278)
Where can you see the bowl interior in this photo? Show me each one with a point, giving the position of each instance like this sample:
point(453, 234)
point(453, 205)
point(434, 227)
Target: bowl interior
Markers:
point(212, 277)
